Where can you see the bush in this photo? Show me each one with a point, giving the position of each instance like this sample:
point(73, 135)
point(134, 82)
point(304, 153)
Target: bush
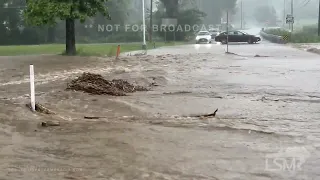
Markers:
point(278, 32)
point(307, 35)
point(311, 29)
point(302, 37)
point(185, 17)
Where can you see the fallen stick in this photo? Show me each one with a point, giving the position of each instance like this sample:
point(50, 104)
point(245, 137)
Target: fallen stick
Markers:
point(40, 108)
point(207, 115)
point(211, 115)
point(93, 117)
point(50, 123)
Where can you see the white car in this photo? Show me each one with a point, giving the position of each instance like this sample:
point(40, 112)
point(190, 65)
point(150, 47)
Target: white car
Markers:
point(203, 36)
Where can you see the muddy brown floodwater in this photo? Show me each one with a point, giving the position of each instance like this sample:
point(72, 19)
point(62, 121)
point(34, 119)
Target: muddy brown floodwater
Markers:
point(266, 126)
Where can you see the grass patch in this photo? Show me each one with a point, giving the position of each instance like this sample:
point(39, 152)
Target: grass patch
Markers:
point(82, 49)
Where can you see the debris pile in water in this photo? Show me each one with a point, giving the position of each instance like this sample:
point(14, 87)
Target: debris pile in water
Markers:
point(96, 84)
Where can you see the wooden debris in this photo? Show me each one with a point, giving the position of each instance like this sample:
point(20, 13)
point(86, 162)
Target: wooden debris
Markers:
point(96, 84)
point(41, 109)
point(206, 115)
point(50, 123)
point(178, 92)
point(154, 84)
point(93, 117)
point(211, 115)
point(257, 55)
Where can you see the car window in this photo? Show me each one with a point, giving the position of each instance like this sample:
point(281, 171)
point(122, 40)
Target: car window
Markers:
point(242, 33)
point(238, 33)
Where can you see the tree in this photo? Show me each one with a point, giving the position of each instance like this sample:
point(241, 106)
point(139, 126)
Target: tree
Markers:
point(47, 12)
point(171, 7)
point(186, 16)
point(118, 11)
point(10, 21)
point(266, 14)
point(215, 9)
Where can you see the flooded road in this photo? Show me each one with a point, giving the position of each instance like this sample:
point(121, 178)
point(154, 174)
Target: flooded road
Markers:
point(267, 123)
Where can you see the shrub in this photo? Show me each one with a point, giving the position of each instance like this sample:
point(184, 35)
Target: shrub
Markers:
point(278, 32)
point(307, 35)
point(311, 29)
point(302, 37)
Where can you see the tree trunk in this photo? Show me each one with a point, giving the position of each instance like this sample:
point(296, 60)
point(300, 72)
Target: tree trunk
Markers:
point(70, 37)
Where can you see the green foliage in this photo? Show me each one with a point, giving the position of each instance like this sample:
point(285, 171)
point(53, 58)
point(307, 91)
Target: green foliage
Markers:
point(187, 13)
point(311, 29)
point(278, 32)
point(172, 7)
point(54, 32)
point(43, 12)
point(185, 16)
point(302, 37)
point(53, 13)
point(307, 36)
point(47, 12)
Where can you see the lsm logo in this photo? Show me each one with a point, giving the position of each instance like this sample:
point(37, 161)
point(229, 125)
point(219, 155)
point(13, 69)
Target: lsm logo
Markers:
point(290, 159)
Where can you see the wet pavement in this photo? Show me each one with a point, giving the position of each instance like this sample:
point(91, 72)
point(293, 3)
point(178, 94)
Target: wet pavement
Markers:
point(267, 96)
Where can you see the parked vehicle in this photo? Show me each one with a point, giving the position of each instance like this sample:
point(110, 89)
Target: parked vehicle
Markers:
point(203, 37)
point(237, 36)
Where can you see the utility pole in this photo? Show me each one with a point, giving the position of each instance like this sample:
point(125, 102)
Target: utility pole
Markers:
point(292, 16)
point(151, 24)
point(284, 13)
point(227, 31)
point(241, 15)
point(319, 20)
point(144, 45)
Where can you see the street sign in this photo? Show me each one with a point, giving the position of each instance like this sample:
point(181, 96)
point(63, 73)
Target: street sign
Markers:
point(289, 19)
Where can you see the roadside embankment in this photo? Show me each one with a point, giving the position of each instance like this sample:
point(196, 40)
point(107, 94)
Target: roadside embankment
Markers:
point(272, 37)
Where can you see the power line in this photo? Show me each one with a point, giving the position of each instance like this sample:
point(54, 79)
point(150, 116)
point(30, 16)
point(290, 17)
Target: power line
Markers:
point(300, 4)
point(306, 3)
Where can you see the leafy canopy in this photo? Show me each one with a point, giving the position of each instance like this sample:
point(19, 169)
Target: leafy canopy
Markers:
point(41, 12)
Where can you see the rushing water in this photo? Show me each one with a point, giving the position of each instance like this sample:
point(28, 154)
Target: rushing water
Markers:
point(263, 103)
